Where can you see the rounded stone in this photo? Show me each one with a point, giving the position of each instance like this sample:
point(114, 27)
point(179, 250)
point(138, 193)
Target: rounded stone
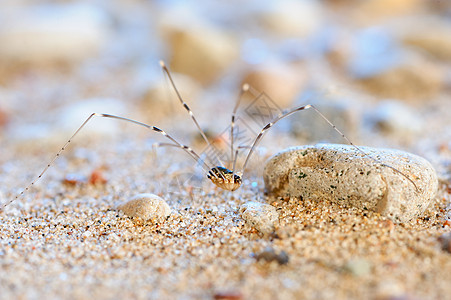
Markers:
point(53, 33)
point(342, 174)
point(259, 216)
point(146, 206)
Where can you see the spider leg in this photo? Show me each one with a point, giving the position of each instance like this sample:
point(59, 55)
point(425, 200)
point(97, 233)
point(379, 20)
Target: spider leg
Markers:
point(187, 149)
point(296, 109)
point(190, 112)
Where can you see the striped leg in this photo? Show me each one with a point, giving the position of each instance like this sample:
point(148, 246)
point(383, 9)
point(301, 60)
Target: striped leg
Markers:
point(187, 149)
point(296, 109)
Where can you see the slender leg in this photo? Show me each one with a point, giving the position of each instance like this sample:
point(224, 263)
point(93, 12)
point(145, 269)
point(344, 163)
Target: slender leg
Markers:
point(187, 149)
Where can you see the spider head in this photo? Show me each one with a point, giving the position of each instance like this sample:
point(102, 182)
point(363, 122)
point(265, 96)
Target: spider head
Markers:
point(224, 178)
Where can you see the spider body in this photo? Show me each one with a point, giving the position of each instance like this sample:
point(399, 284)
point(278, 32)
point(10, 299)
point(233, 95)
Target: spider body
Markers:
point(224, 178)
point(219, 175)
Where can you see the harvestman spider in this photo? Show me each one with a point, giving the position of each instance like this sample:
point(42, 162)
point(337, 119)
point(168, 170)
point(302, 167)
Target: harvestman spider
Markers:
point(222, 177)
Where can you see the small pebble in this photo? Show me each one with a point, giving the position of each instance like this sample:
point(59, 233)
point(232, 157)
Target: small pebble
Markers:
point(445, 241)
point(229, 295)
point(97, 177)
point(269, 255)
point(74, 179)
point(259, 216)
point(146, 206)
point(341, 174)
point(358, 267)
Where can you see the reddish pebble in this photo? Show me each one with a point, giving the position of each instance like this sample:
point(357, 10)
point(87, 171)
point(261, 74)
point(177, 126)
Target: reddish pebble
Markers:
point(447, 223)
point(74, 179)
point(97, 177)
point(228, 295)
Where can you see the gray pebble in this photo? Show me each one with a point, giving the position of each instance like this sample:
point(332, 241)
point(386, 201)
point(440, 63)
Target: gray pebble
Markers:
point(394, 117)
point(445, 241)
point(259, 216)
point(146, 206)
point(342, 174)
point(269, 255)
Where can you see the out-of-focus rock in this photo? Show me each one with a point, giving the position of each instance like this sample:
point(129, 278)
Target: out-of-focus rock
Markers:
point(431, 35)
point(337, 108)
point(374, 11)
point(281, 82)
point(289, 18)
point(394, 117)
point(203, 51)
point(385, 70)
point(160, 98)
point(49, 33)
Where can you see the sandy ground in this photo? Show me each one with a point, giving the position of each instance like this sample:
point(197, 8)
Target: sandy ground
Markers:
point(67, 240)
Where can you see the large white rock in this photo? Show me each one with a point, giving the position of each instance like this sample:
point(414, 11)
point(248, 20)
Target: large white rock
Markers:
point(342, 174)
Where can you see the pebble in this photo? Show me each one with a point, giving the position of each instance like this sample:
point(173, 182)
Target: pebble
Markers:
point(290, 19)
point(358, 267)
point(432, 35)
point(341, 174)
point(395, 117)
point(146, 206)
point(160, 100)
point(445, 241)
point(281, 82)
point(201, 50)
point(383, 69)
point(375, 11)
point(339, 109)
point(260, 216)
point(269, 255)
point(52, 33)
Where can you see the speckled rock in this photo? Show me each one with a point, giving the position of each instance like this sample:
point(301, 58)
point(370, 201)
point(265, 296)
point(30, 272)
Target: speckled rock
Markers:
point(146, 206)
point(259, 216)
point(342, 174)
point(52, 33)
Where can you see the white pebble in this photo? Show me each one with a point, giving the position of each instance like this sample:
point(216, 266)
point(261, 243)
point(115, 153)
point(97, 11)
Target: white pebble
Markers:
point(146, 206)
point(259, 216)
point(48, 33)
point(342, 174)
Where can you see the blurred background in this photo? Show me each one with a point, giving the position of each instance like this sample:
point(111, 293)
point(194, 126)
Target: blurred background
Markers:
point(378, 69)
